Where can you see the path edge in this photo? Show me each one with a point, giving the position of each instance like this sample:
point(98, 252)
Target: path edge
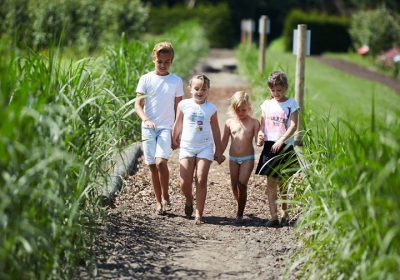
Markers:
point(126, 164)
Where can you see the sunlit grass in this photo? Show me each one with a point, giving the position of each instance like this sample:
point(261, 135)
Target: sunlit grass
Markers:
point(62, 122)
point(349, 227)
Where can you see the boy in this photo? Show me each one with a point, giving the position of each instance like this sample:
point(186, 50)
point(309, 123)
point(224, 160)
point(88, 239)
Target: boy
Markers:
point(161, 91)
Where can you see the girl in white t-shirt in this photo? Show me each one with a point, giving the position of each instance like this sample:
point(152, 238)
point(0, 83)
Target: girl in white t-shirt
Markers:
point(196, 131)
point(278, 124)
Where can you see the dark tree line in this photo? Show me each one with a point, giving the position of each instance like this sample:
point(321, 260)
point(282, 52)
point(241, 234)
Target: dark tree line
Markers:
point(277, 10)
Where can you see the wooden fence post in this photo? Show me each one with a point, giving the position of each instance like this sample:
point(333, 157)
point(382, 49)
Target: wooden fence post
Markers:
point(262, 42)
point(299, 82)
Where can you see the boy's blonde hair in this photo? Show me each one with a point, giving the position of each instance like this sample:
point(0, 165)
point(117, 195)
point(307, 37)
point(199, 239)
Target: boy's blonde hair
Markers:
point(163, 47)
point(202, 77)
point(238, 99)
point(278, 78)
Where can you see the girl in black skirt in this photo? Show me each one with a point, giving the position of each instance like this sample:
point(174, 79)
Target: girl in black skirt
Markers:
point(278, 124)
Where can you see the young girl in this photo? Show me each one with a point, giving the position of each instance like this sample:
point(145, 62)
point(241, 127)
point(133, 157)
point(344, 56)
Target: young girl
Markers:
point(278, 124)
point(197, 120)
point(241, 129)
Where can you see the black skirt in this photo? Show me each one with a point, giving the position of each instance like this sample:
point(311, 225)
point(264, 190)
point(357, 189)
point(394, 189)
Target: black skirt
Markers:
point(281, 164)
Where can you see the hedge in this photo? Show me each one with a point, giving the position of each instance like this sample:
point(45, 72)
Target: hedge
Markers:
point(328, 33)
point(215, 19)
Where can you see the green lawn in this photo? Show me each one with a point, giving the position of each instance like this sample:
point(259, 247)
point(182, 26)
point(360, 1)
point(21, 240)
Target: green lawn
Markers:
point(327, 91)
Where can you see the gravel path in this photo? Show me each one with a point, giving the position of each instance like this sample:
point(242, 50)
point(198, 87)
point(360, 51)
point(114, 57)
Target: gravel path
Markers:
point(134, 243)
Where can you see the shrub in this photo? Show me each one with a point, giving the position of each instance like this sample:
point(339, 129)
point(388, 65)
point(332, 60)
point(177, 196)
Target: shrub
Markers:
point(378, 29)
point(328, 33)
point(40, 24)
point(61, 124)
point(215, 20)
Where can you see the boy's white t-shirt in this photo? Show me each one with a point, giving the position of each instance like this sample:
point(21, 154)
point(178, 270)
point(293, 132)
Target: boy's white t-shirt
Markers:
point(160, 94)
point(196, 129)
point(277, 118)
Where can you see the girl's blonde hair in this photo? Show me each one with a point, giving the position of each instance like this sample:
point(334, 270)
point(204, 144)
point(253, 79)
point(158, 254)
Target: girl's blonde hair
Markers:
point(163, 47)
point(238, 99)
point(202, 77)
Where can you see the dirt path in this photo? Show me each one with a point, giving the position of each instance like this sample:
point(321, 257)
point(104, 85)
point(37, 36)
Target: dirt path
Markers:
point(361, 72)
point(137, 244)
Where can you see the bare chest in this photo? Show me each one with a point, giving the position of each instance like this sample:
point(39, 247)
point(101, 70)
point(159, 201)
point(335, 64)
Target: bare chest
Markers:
point(239, 131)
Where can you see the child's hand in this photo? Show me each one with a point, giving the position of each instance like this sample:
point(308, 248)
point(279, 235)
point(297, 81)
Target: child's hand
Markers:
point(260, 138)
point(175, 144)
point(148, 123)
point(277, 146)
point(219, 158)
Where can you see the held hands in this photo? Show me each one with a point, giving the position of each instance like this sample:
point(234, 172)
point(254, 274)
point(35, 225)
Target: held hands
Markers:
point(175, 143)
point(260, 138)
point(220, 158)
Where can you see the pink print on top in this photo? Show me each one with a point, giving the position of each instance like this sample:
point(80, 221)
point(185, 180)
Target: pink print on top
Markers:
point(275, 123)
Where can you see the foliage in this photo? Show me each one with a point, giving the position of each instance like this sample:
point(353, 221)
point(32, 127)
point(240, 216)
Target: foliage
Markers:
point(378, 29)
point(353, 167)
point(328, 33)
point(43, 23)
point(62, 122)
point(349, 192)
point(215, 20)
point(188, 48)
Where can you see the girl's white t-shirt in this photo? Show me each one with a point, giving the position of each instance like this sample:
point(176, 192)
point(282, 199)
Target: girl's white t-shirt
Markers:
point(196, 129)
point(160, 96)
point(277, 118)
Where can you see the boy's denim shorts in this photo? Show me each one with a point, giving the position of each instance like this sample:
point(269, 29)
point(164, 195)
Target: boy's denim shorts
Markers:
point(156, 144)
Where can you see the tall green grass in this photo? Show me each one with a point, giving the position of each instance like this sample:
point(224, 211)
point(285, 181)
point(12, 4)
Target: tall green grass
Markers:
point(351, 222)
point(47, 138)
point(349, 227)
point(62, 122)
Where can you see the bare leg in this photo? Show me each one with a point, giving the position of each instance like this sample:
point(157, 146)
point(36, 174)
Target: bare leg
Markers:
point(284, 205)
point(187, 166)
point(272, 184)
point(155, 181)
point(163, 174)
point(234, 171)
point(203, 166)
point(245, 170)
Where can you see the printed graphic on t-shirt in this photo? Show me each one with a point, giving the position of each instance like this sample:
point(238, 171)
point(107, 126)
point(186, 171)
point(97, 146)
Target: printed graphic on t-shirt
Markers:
point(276, 122)
point(197, 121)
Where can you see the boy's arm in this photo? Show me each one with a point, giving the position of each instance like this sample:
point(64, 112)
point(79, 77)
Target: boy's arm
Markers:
point(225, 137)
point(217, 138)
point(177, 100)
point(139, 104)
point(176, 129)
point(289, 132)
